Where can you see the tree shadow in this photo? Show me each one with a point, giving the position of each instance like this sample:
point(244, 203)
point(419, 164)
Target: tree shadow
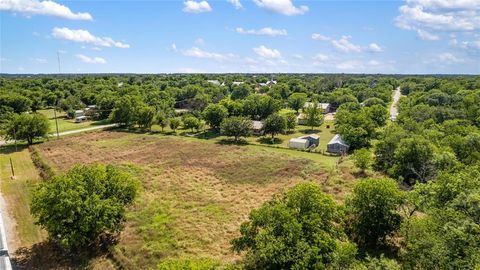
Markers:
point(232, 142)
point(360, 174)
point(310, 131)
point(49, 255)
point(10, 148)
point(208, 134)
point(266, 140)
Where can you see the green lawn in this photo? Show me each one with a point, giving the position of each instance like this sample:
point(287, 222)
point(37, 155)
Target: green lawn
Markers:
point(65, 124)
point(17, 193)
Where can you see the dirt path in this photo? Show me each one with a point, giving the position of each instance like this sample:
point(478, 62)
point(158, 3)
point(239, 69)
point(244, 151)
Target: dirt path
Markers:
point(393, 109)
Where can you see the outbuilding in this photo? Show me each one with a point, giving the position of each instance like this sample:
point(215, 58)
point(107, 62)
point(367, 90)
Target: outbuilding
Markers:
point(298, 143)
point(337, 145)
point(257, 127)
point(313, 139)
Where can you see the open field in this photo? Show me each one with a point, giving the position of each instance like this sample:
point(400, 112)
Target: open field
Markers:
point(65, 124)
point(195, 192)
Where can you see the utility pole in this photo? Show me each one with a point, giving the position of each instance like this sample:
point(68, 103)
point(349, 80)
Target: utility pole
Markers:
point(56, 121)
point(13, 171)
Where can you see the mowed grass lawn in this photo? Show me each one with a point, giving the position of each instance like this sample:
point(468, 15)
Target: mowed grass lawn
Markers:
point(17, 194)
point(65, 124)
point(195, 193)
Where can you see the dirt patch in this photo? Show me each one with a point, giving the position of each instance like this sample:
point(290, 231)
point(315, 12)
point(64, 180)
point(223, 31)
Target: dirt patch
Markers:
point(195, 193)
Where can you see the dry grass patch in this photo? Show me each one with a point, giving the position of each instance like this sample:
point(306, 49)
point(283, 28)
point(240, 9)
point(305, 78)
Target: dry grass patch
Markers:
point(195, 194)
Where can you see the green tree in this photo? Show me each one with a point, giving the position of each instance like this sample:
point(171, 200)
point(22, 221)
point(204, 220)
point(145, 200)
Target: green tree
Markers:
point(446, 235)
point(298, 230)
point(241, 91)
point(162, 120)
point(415, 160)
point(214, 115)
point(274, 124)
point(297, 100)
point(314, 115)
point(17, 103)
point(291, 119)
point(236, 126)
point(372, 213)
point(191, 122)
point(362, 159)
point(125, 111)
point(86, 203)
point(175, 123)
point(146, 117)
point(27, 127)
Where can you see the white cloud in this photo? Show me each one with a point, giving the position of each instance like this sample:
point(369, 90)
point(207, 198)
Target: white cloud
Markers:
point(442, 15)
point(374, 47)
point(349, 65)
point(345, 45)
point(173, 47)
point(473, 45)
point(84, 36)
point(48, 8)
point(374, 63)
point(265, 52)
point(199, 41)
point(196, 7)
point(41, 60)
point(424, 35)
point(199, 53)
point(316, 36)
point(320, 57)
point(298, 56)
point(284, 7)
point(448, 58)
point(91, 60)
point(236, 4)
point(266, 31)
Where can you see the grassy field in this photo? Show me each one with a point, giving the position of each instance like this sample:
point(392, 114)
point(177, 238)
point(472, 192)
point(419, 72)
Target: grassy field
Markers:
point(65, 124)
point(195, 192)
point(17, 193)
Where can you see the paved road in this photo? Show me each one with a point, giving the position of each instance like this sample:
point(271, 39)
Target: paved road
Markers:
point(393, 109)
point(2, 142)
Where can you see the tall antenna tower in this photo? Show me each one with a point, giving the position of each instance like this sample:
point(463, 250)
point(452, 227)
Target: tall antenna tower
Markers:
point(58, 59)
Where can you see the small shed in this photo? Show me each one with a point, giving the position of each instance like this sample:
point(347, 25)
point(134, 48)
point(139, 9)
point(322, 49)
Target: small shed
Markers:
point(313, 139)
point(302, 119)
point(257, 127)
point(298, 143)
point(337, 145)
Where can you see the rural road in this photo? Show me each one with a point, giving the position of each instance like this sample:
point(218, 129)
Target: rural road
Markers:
point(393, 109)
point(2, 142)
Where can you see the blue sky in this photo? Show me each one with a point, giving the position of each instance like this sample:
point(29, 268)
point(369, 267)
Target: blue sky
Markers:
point(407, 37)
